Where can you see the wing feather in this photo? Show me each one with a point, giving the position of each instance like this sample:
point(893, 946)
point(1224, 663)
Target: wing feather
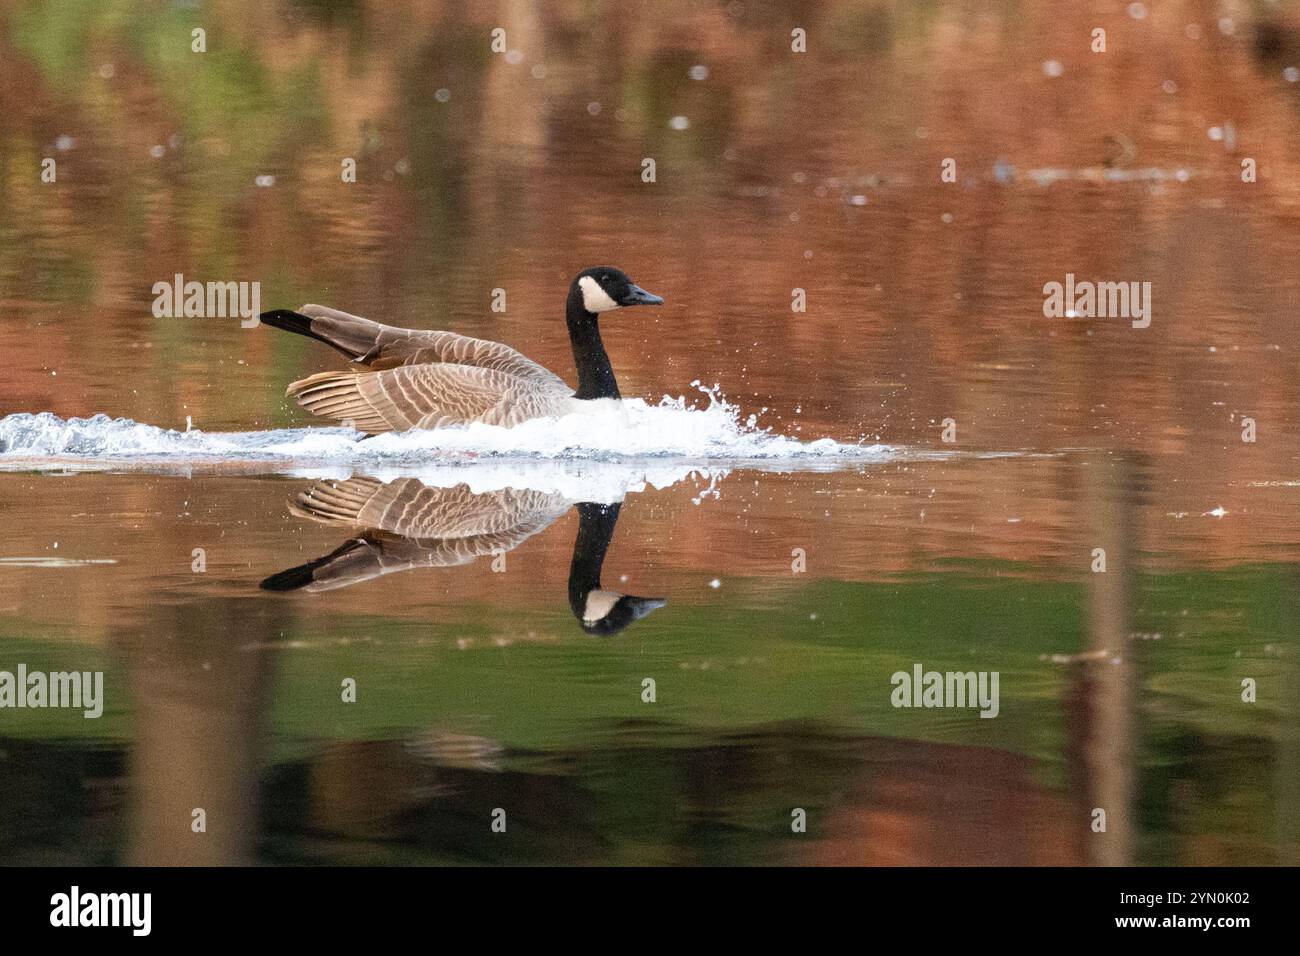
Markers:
point(409, 524)
point(426, 396)
point(412, 509)
point(380, 347)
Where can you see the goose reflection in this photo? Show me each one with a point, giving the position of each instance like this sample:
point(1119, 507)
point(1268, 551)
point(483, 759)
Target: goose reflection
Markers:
point(407, 524)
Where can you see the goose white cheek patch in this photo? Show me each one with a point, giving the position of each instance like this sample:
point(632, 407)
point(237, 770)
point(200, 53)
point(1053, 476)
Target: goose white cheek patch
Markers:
point(594, 298)
point(599, 604)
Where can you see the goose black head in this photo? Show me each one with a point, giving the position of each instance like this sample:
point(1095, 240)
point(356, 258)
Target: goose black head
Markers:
point(604, 288)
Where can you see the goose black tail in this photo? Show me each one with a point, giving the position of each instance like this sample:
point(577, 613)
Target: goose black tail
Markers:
point(292, 579)
point(304, 574)
point(292, 321)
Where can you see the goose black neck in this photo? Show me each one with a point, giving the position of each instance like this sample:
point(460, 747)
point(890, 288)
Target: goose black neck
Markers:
point(595, 375)
point(595, 529)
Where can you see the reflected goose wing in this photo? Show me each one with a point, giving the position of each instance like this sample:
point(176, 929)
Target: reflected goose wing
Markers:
point(375, 554)
point(412, 525)
point(412, 509)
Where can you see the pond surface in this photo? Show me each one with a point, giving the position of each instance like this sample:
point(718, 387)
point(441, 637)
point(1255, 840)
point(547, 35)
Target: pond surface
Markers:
point(667, 633)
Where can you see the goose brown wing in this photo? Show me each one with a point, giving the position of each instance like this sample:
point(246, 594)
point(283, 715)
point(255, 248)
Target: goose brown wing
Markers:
point(427, 396)
point(384, 346)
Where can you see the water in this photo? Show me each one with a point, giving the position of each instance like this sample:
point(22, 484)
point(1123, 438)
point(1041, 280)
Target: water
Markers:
point(780, 480)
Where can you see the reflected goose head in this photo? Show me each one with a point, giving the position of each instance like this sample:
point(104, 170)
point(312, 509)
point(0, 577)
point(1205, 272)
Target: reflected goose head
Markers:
point(604, 288)
point(608, 612)
point(600, 611)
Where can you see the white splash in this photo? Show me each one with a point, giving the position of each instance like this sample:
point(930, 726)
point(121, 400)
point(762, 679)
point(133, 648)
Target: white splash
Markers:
point(610, 432)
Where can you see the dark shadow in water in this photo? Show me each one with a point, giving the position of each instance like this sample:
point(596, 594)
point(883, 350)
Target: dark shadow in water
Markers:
point(407, 524)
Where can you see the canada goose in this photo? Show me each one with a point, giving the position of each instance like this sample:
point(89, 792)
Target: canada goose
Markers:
point(422, 379)
point(406, 524)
